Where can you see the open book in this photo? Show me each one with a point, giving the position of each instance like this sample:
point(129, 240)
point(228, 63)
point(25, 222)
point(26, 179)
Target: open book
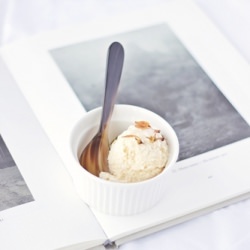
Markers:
point(178, 65)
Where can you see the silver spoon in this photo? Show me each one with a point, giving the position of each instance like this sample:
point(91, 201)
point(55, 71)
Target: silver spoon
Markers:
point(94, 156)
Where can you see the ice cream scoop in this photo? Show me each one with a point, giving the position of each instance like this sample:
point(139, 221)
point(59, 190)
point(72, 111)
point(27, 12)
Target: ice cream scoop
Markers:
point(139, 153)
point(94, 156)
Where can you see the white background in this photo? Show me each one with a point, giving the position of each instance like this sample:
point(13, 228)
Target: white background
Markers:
point(224, 229)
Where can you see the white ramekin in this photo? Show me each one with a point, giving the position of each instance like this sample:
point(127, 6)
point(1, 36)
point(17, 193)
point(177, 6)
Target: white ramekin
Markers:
point(112, 197)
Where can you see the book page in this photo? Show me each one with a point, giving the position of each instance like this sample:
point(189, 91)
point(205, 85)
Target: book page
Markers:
point(183, 68)
point(38, 205)
point(213, 177)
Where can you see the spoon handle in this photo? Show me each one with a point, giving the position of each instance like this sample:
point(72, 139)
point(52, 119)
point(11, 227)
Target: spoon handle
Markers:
point(115, 61)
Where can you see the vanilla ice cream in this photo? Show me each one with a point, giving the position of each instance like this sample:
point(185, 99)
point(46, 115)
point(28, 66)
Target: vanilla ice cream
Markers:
point(139, 153)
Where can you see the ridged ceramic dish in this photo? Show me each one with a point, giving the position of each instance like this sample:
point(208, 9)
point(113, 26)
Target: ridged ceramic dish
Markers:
point(112, 197)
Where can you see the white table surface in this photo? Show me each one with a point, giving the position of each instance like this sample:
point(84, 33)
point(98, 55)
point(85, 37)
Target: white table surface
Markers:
point(224, 229)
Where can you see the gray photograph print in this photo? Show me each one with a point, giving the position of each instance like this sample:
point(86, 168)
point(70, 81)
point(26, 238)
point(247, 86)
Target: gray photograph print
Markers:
point(160, 75)
point(13, 189)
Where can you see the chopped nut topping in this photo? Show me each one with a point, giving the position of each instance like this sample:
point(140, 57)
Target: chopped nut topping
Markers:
point(152, 138)
point(162, 139)
point(138, 139)
point(142, 124)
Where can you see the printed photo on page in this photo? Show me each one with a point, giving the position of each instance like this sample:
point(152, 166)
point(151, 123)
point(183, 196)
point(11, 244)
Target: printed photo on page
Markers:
point(13, 189)
point(161, 75)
